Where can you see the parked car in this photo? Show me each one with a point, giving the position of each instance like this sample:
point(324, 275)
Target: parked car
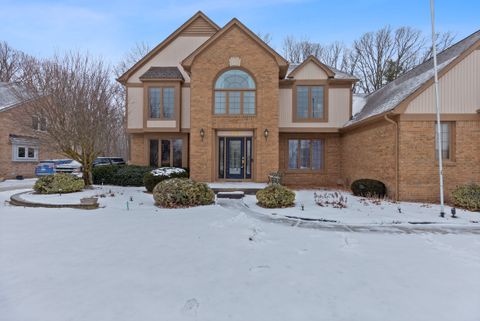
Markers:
point(52, 166)
point(102, 161)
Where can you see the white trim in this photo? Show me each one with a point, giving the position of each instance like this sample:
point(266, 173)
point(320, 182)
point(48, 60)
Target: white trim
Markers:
point(17, 158)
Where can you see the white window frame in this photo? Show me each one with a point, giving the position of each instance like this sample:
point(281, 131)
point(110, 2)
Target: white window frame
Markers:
point(17, 158)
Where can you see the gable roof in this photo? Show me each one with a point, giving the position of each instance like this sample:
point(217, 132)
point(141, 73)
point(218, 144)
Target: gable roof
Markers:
point(311, 58)
point(390, 96)
point(11, 95)
point(162, 73)
point(330, 71)
point(282, 62)
point(198, 24)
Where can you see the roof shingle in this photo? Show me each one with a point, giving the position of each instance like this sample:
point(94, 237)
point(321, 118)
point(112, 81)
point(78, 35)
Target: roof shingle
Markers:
point(163, 73)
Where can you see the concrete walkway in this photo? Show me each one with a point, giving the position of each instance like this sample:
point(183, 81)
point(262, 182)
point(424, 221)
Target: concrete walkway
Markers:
point(238, 206)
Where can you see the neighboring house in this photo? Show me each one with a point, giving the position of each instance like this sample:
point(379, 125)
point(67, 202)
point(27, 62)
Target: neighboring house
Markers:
point(223, 103)
point(21, 144)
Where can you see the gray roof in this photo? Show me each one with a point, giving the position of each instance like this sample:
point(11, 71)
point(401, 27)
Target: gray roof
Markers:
point(338, 73)
point(388, 97)
point(11, 94)
point(162, 73)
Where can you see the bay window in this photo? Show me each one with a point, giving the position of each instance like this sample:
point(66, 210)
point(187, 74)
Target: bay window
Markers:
point(161, 102)
point(166, 152)
point(310, 103)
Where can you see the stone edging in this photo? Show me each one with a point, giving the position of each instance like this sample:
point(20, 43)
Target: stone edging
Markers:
point(17, 200)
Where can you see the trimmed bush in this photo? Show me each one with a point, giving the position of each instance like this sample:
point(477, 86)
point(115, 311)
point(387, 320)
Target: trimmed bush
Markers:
point(182, 192)
point(467, 196)
point(369, 188)
point(275, 196)
point(125, 175)
point(58, 183)
point(152, 178)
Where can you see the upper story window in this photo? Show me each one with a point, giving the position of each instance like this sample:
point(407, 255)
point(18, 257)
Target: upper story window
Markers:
point(39, 123)
point(310, 103)
point(161, 102)
point(234, 93)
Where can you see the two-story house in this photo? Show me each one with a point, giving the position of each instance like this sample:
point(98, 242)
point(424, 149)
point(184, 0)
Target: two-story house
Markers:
point(223, 103)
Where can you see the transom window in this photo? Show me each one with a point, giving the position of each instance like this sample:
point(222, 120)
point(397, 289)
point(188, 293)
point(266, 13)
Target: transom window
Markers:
point(305, 154)
point(234, 93)
point(310, 103)
point(161, 102)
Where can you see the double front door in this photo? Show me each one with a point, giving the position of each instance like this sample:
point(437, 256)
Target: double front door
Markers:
point(235, 157)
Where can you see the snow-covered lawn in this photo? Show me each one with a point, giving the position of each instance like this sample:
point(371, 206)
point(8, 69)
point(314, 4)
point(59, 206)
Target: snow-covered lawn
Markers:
point(365, 211)
point(210, 263)
point(17, 183)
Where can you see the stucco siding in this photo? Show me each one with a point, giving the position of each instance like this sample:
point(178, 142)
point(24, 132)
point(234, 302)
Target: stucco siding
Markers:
point(338, 109)
point(135, 107)
point(171, 55)
point(311, 71)
point(459, 90)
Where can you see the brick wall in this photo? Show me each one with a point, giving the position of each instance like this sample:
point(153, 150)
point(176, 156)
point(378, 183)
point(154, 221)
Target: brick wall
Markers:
point(138, 150)
point(369, 152)
point(205, 69)
point(418, 169)
point(17, 121)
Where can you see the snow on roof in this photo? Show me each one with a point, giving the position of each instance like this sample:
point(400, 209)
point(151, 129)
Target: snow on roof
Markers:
point(358, 101)
point(11, 94)
point(388, 97)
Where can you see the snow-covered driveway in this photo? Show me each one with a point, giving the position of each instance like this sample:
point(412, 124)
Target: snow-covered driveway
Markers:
point(210, 263)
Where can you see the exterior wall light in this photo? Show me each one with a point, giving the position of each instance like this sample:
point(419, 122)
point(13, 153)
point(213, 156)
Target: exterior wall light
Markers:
point(265, 133)
point(202, 133)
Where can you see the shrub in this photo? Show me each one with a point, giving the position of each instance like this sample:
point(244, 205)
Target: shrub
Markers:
point(335, 200)
point(275, 196)
point(369, 188)
point(152, 178)
point(58, 183)
point(467, 196)
point(182, 192)
point(125, 175)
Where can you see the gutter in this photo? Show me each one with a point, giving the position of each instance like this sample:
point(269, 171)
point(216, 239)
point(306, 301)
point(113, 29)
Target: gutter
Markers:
point(395, 124)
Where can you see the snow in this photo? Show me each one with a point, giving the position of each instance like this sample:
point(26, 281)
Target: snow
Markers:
point(362, 211)
point(68, 198)
point(11, 184)
point(238, 185)
point(167, 171)
point(358, 102)
point(211, 263)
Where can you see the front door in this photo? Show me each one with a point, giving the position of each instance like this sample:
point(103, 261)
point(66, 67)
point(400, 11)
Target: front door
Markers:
point(235, 158)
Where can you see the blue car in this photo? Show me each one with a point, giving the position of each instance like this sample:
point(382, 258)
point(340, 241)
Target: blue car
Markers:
point(49, 167)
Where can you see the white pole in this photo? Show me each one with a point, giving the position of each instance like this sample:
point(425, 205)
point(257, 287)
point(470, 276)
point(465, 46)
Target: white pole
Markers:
point(437, 106)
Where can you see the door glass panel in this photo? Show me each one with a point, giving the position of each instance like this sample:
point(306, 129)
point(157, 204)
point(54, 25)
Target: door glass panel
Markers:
point(165, 153)
point(221, 157)
point(154, 153)
point(177, 152)
point(235, 157)
point(248, 158)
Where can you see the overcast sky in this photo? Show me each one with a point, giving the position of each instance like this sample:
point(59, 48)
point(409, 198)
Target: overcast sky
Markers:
point(110, 28)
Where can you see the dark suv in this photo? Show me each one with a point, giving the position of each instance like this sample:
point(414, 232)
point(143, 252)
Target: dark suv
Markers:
point(102, 161)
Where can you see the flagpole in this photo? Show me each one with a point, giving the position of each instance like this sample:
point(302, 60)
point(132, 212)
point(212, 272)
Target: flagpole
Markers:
point(437, 107)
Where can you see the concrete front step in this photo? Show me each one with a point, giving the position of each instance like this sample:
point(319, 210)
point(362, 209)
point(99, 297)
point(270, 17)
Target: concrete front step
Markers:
point(231, 194)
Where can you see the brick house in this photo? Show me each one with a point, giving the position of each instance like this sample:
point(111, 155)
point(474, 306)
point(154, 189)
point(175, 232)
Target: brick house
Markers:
point(21, 143)
point(223, 103)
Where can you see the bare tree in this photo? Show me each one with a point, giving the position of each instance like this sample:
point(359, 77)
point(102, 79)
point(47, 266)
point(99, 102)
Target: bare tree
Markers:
point(14, 64)
point(138, 51)
point(266, 37)
point(443, 41)
point(76, 96)
point(297, 51)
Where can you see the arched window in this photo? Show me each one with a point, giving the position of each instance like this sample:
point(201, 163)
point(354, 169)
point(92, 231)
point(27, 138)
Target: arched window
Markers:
point(234, 93)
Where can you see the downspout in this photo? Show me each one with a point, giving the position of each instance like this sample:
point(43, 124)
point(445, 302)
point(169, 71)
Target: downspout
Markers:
point(395, 124)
